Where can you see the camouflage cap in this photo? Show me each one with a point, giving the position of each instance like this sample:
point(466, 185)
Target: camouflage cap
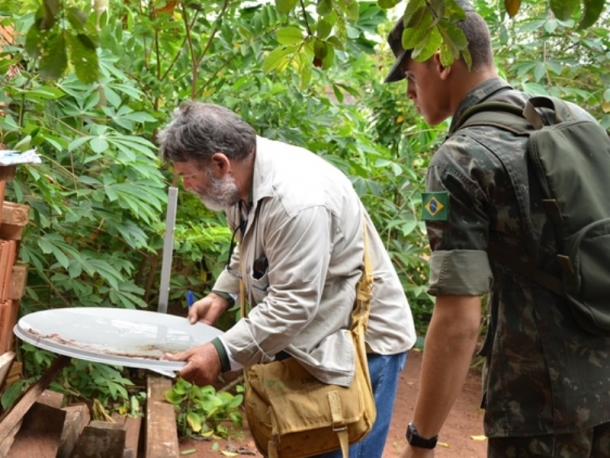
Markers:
point(395, 42)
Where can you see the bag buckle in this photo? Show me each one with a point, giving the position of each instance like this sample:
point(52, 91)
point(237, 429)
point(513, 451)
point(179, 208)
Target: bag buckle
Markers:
point(337, 428)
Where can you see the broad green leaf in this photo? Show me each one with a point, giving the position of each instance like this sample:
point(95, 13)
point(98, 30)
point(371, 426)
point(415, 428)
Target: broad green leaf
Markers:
point(431, 45)
point(338, 93)
point(98, 144)
point(276, 58)
point(353, 10)
point(285, 6)
point(54, 60)
point(387, 4)
point(415, 17)
point(320, 49)
point(592, 9)
point(512, 7)
point(305, 76)
point(334, 41)
point(415, 36)
point(324, 7)
point(455, 34)
point(564, 9)
point(77, 18)
point(83, 58)
point(33, 41)
point(289, 35)
point(323, 29)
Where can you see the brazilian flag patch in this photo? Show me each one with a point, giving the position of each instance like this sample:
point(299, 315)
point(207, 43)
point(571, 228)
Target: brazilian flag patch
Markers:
point(435, 206)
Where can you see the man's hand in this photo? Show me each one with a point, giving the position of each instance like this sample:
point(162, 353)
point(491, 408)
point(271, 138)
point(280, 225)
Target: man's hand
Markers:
point(416, 452)
point(208, 309)
point(202, 364)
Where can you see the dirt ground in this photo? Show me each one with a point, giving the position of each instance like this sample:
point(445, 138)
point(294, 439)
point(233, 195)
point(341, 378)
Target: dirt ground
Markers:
point(462, 435)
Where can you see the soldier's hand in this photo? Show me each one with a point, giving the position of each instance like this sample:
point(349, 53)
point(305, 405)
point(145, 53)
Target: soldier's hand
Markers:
point(208, 309)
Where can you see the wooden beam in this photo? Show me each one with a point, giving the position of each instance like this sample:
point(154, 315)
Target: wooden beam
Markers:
point(40, 433)
point(77, 417)
point(14, 415)
point(101, 439)
point(161, 430)
point(6, 362)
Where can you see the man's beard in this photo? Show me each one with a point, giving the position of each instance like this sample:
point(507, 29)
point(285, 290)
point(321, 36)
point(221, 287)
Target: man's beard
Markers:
point(221, 194)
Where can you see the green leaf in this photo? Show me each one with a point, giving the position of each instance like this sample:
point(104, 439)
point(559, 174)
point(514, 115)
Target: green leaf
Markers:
point(83, 58)
point(320, 49)
point(324, 7)
point(323, 29)
point(431, 45)
point(305, 76)
point(289, 35)
point(338, 93)
point(413, 37)
point(387, 4)
point(77, 18)
point(592, 9)
point(194, 421)
point(564, 9)
point(285, 6)
point(334, 41)
point(415, 17)
point(33, 41)
point(276, 58)
point(98, 144)
point(54, 60)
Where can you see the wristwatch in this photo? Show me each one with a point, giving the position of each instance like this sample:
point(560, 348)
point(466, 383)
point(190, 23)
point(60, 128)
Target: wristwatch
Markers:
point(416, 440)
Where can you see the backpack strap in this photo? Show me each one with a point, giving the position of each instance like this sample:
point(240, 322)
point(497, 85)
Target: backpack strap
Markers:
point(520, 122)
point(539, 276)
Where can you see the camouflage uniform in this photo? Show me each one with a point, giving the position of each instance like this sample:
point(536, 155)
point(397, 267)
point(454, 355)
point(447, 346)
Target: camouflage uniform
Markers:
point(544, 375)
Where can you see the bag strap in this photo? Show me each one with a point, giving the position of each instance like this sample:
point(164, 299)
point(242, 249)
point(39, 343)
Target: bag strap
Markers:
point(364, 289)
point(539, 276)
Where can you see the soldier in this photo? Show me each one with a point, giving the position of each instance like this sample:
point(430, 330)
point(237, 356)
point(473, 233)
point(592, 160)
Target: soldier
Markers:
point(547, 381)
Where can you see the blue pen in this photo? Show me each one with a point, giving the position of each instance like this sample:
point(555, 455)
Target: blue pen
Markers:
point(190, 298)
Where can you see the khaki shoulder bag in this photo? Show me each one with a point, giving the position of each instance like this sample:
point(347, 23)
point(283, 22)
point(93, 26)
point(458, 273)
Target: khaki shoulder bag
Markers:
point(291, 414)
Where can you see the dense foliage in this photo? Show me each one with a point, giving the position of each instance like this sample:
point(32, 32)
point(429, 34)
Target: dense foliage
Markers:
point(296, 73)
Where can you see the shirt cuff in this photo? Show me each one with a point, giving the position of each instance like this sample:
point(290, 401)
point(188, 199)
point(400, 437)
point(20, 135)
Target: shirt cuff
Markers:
point(460, 273)
point(222, 354)
point(231, 363)
point(229, 297)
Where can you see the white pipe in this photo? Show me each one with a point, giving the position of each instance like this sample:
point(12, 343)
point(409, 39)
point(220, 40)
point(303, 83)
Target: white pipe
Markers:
point(168, 248)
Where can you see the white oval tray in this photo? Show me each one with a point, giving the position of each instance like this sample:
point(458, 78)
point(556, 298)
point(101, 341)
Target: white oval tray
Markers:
point(121, 337)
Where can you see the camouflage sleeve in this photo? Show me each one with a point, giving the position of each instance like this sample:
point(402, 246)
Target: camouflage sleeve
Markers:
point(458, 181)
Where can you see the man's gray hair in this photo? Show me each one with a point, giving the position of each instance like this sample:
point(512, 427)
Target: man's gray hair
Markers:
point(199, 130)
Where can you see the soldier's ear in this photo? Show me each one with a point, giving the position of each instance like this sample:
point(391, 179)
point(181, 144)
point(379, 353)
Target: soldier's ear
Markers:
point(443, 72)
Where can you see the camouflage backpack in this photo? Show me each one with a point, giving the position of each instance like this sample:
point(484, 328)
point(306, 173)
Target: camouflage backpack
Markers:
point(570, 158)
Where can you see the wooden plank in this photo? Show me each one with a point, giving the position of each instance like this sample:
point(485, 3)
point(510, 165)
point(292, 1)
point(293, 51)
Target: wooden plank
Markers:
point(101, 439)
point(6, 363)
point(19, 279)
point(40, 433)
point(51, 398)
point(77, 417)
point(161, 431)
point(10, 418)
point(14, 374)
point(133, 425)
point(132, 428)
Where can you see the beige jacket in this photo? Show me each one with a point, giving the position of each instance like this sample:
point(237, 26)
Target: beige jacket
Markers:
point(307, 220)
